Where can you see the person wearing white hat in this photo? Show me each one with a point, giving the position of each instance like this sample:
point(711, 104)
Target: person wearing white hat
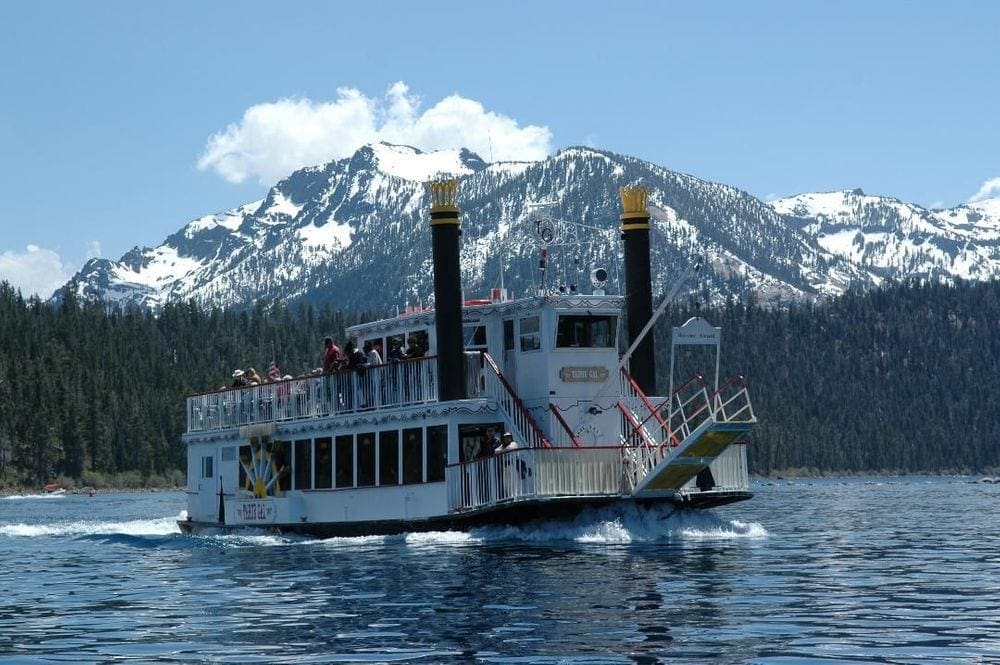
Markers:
point(239, 381)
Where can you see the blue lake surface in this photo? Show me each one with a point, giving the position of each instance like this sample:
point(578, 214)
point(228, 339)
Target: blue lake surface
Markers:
point(857, 570)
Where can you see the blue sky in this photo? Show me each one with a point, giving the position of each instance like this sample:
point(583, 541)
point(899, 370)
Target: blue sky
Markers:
point(119, 120)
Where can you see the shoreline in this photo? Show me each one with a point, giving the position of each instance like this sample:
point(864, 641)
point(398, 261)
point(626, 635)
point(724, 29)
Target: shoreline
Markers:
point(91, 491)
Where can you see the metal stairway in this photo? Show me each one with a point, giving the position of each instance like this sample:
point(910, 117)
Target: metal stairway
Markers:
point(699, 427)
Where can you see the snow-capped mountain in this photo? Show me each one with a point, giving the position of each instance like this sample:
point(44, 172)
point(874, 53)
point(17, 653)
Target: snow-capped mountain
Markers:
point(354, 232)
point(894, 239)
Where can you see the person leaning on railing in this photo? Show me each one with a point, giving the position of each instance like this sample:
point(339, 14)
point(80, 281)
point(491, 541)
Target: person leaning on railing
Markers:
point(331, 356)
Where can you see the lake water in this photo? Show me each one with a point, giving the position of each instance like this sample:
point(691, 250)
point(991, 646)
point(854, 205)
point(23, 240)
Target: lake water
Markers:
point(893, 570)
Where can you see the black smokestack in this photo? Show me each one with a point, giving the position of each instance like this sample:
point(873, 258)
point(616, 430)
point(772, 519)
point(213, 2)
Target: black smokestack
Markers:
point(446, 227)
point(638, 285)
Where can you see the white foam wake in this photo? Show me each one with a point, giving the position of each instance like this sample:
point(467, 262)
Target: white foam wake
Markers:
point(604, 526)
point(630, 524)
point(610, 526)
point(161, 526)
point(32, 497)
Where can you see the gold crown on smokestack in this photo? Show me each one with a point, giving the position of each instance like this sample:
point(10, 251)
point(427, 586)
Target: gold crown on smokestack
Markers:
point(634, 213)
point(444, 195)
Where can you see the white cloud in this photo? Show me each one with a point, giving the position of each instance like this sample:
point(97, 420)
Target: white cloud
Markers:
point(36, 271)
point(275, 138)
point(990, 189)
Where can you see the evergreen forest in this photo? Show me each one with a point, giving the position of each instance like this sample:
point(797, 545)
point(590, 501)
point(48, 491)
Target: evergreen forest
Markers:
point(896, 380)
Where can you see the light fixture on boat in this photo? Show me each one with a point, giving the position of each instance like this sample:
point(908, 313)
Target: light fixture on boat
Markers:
point(598, 278)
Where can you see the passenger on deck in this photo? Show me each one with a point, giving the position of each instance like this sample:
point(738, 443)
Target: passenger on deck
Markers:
point(273, 373)
point(413, 349)
point(355, 357)
point(507, 443)
point(372, 356)
point(239, 380)
point(253, 377)
point(412, 376)
point(490, 443)
point(486, 445)
point(395, 371)
point(370, 381)
point(512, 472)
point(331, 356)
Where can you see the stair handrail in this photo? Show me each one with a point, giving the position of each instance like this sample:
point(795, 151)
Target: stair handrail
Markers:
point(654, 411)
point(572, 437)
point(534, 437)
point(703, 407)
point(720, 403)
point(636, 429)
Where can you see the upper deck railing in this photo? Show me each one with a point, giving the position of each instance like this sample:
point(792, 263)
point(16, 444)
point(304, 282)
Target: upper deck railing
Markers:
point(394, 384)
point(406, 382)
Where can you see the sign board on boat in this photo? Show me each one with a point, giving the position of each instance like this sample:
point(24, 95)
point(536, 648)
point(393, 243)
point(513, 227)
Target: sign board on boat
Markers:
point(257, 511)
point(697, 331)
point(583, 374)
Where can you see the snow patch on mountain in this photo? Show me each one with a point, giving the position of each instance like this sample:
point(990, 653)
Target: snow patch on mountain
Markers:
point(162, 267)
point(282, 205)
point(410, 163)
point(330, 236)
point(231, 219)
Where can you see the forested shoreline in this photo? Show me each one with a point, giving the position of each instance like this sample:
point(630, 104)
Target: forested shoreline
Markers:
point(898, 380)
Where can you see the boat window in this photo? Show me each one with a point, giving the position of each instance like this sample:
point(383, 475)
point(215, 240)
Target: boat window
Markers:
point(437, 452)
point(229, 454)
point(206, 466)
point(575, 331)
point(468, 442)
point(280, 454)
point(388, 458)
point(508, 334)
point(474, 337)
point(245, 461)
point(303, 464)
point(366, 459)
point(420, 337)
point(531, 339)
point(413, 455)
point(324, 463)
point(345, 461)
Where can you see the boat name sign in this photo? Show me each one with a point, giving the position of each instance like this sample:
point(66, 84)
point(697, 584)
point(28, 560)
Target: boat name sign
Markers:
point(583, 374)
point(255, 512)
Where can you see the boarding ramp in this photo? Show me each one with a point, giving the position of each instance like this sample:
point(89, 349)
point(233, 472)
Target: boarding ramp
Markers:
point(700, 426)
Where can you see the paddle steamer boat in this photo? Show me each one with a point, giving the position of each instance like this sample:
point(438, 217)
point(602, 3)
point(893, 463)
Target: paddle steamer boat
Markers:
point(397, 447)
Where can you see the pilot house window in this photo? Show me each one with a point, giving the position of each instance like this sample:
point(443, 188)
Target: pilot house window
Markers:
point(474, 338)
point(586, 331)
point(530, 336)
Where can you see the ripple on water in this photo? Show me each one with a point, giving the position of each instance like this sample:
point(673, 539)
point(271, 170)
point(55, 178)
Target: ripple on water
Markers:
point(899, 571)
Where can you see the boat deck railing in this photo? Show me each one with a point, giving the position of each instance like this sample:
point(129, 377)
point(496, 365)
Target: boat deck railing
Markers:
point(535, 472)
point(395, 384)
point(565, 472)
point(407, 382)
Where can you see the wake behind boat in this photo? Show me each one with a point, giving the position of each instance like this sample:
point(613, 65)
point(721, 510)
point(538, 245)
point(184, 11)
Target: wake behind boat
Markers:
point(415, 444)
